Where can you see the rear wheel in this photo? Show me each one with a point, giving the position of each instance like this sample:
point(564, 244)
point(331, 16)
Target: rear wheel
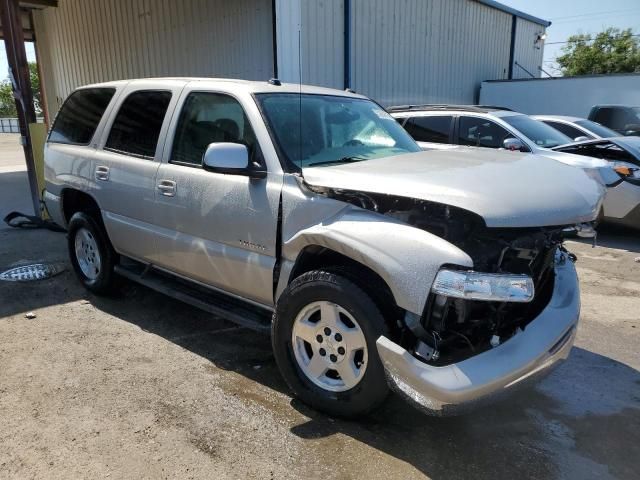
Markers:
point(91, 253)
point(324, 339)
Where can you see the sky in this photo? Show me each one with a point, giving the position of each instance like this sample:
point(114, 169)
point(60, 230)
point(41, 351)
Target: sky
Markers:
point(569, 17)
point(4, 67)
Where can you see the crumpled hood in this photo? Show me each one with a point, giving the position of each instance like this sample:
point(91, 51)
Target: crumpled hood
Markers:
point(507, 189)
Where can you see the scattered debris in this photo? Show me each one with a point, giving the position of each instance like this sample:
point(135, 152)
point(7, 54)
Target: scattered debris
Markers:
point(30, 315)
point(28, 273)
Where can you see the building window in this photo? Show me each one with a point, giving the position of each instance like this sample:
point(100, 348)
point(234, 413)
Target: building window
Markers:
point(434, 129)
point(136, 128)
point(80, 115)
point(211, 118)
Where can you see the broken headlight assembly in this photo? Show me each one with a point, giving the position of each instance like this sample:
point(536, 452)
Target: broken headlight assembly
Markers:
point(496, 287)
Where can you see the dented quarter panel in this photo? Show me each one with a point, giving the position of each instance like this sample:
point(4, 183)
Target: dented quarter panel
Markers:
point(407, 258)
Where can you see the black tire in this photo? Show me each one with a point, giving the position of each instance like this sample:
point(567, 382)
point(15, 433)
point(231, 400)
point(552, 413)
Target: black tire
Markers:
point(314, 286)
point(103, 282)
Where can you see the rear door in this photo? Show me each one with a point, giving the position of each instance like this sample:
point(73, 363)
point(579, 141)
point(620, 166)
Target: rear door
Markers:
point(218, 229)
point(432, 132)
point(126, 164)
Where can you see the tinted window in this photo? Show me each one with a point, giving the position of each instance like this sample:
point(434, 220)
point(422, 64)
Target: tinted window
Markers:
point(136, 128)
point(78, 118)
point(480, 132)
point(568, 130)
point(429, 129)
point(538, 132)
point(596, 128)
point(210, 118)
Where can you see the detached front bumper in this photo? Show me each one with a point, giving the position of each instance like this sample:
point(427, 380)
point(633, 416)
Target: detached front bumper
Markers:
point(546, 341)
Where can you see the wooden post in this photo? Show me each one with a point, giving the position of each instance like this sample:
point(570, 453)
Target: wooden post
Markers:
point(19, 75)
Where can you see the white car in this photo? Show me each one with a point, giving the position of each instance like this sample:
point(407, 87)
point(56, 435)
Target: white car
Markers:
point(455, 126)
point(579, 129)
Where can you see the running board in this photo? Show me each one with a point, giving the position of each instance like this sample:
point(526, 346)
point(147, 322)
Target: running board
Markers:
point(211, 301)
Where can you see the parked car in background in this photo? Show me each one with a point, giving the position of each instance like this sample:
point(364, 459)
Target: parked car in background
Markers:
point(622, 205)
point(310, 213)
point(579, 129)
point(448, 126)
point(623, 119)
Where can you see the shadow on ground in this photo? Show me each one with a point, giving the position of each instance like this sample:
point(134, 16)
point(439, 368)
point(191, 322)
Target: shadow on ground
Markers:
point(550, 431)
point(582, 422)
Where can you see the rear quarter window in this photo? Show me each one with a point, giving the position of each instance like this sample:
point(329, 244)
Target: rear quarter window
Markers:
point(80, 115)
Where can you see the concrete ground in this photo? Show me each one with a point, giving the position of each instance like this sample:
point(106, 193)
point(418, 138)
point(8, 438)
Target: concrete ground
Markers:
point(142, 386)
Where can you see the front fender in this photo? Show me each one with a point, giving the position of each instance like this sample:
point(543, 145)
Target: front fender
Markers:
point(406, 257)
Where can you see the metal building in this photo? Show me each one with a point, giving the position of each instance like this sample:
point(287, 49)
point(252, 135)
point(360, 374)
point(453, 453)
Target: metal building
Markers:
point(395, 51)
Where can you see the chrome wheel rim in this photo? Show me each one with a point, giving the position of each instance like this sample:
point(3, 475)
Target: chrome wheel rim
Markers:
point(87, 254)
point(329, 346)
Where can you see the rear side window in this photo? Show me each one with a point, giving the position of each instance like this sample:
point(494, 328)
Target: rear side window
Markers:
point(137, 125)
point(568, 130)
point(80, 115)
point(433, 129)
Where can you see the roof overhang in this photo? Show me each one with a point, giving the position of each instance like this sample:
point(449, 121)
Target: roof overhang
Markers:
point(513, 11)
point(25, 16)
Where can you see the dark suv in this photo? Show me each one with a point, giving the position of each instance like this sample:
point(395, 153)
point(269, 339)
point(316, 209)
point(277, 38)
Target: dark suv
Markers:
point(621, 118)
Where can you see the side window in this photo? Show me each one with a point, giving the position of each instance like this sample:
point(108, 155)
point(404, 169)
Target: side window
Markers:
point(569, 130)
point(433, 129)
point(604, 116)
point(137, 125)
point(480, 132)
point(211, 118)
point(80, 115)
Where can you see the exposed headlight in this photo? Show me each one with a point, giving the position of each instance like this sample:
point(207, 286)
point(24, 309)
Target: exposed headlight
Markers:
point(496, 287)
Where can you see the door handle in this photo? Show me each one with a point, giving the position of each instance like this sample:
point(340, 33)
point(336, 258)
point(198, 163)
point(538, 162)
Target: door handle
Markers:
point(102, 173)
point(167, 188)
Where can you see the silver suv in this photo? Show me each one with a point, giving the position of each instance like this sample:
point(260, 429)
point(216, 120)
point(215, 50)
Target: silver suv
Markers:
point(311, 213)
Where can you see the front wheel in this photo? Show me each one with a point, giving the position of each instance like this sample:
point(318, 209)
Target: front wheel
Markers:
point(324, 340)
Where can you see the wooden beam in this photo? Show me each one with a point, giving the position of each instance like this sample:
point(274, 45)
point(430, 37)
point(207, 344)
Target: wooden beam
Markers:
point(38, 3)
point(20, 79)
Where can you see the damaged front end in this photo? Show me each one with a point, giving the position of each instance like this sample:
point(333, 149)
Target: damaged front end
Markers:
point(474, 312)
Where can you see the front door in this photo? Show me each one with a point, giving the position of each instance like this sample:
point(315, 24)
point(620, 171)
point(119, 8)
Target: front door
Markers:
point(218, 229)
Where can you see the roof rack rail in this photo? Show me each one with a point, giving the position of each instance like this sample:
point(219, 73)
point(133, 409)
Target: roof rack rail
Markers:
point(435, 106)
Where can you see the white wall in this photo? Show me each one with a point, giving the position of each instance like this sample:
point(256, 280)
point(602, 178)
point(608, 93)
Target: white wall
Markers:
point(562, 96)
point(526, 53)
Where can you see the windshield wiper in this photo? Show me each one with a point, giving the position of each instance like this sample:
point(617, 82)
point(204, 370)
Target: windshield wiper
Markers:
point(339, 160)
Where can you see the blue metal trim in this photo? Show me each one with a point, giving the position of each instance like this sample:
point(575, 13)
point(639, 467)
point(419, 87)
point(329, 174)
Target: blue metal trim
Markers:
point(347, 44)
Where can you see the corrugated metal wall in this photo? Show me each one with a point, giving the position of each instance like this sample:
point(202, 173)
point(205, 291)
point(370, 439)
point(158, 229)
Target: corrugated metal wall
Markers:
point(322, 24)
point(87, 41)
point(407, 51)
point(310, 37)
point(526, 53)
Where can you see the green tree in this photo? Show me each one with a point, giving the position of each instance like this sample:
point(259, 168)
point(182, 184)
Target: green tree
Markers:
point(611, 51)
point(7, 102)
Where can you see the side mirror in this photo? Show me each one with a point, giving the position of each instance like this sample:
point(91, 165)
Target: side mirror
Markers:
point(230, 158)
point(513, 144)
point(581, 138)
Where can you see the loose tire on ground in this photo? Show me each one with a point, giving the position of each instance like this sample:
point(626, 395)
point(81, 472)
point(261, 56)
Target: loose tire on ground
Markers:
point(91, 253)
point(325, 313)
